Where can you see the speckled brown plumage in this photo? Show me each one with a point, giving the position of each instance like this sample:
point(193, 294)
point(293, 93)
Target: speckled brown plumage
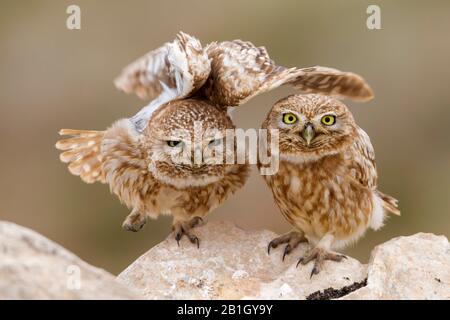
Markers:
point(325, 187)
point(227, 74)
point(185, 83)
point(151, 185)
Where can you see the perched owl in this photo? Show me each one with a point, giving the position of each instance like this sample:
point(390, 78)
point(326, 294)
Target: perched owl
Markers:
point(326, 185)
point(147, 160)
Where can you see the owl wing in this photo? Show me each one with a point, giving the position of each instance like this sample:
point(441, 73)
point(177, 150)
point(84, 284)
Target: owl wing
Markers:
point(362, 160)
point(114, 156)
point(174, 71)
point(181, 67)
point(332, 82)
point(125, 164)
point(363, 169)
point(240, 71)
point(82, 153)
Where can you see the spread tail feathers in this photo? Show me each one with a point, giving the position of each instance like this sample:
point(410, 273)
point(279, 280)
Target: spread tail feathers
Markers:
point(389, 203)
point(82, 152)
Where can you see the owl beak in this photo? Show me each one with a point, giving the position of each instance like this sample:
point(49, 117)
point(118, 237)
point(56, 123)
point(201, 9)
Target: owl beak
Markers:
point(308, 133)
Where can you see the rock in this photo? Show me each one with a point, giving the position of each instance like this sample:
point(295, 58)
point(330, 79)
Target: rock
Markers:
point(33, 267)
point(414, 267)
point(232, 264)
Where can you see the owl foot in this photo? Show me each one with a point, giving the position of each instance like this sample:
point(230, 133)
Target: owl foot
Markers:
point(293, 239)
point(183, 229)
point(134, 221)
point(319, 255)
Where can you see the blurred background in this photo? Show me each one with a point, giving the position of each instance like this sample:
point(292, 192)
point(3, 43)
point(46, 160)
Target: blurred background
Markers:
point(53, 78)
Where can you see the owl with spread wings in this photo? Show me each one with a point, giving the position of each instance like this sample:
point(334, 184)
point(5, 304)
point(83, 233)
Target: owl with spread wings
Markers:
point(147, 159)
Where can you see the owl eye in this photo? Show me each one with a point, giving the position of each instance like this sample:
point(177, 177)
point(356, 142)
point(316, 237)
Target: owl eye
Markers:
point(214, 142)
point(328, 120)
point(289, 118)
point(173, 143)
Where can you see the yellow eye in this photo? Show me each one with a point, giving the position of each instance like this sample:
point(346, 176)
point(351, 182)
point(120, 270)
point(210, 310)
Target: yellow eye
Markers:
point(328, 120)
point(173, 143)
point(289, 118)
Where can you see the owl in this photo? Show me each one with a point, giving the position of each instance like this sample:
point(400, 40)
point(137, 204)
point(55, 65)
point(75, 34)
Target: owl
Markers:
point(151, 162)
point(326, 185)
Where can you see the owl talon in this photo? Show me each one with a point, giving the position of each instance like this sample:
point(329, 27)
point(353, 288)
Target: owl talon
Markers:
point(272, 244)
point(134, 222)
point(293, 239)
point(183, 229)
point(194, 240)
point(178, 237)
point(195, 222)
point(315, 270)
point(287, 250)
point(319, 255)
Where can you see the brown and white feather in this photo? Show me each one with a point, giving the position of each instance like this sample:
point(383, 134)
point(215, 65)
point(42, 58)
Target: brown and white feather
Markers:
point(181, 66)
point(82, 151)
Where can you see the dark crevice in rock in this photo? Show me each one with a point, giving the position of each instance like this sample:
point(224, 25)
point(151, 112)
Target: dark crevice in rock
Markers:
point(332, 293)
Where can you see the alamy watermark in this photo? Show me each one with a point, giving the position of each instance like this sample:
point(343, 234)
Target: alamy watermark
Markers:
point(373, 21)
point(73, 21)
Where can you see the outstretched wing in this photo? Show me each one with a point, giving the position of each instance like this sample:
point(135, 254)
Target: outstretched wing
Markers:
point(114, 156)
point(240, 71)
point(174, 71)
point(181, 66)
point(332, 82)
point(98, 155)
point(82, 152)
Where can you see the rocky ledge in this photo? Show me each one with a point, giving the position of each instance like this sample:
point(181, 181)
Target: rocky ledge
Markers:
point(33, 267)
point(231, 264)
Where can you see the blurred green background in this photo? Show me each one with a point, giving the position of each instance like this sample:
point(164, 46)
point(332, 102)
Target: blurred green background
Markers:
point(52, 78)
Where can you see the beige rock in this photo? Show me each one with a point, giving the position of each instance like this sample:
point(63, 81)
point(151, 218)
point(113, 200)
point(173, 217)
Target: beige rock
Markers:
point(232, 264)
point(414, 267)
point(33, 267)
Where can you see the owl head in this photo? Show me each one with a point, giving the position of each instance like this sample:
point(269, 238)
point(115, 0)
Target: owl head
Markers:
point(311, 126)
point(185, 141)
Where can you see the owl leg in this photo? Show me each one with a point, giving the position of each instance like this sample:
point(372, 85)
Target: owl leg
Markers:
point(134, 221)
point(293, 239)
point(183, 228)
point(320, 253)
